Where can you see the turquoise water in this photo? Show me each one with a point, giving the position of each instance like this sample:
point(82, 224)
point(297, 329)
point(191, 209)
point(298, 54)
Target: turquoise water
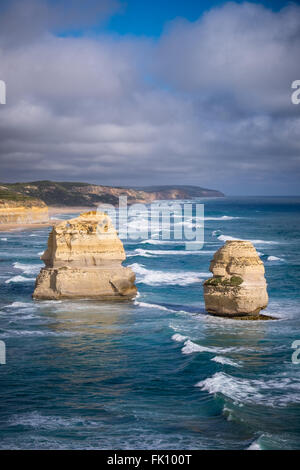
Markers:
point(157, 372)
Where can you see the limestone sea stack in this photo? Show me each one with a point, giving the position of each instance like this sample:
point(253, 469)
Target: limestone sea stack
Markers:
point(238, 287)
point(83, 260)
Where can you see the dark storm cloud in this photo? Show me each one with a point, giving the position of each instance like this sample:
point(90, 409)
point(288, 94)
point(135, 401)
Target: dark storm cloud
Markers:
point(207, 104)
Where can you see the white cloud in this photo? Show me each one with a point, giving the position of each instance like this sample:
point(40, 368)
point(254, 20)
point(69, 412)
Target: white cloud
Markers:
point(242, 51)
point(216, 111)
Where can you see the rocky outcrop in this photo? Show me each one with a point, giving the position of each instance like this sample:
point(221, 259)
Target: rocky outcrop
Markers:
point(23, 212)
point(83, 259)
point(238, 286)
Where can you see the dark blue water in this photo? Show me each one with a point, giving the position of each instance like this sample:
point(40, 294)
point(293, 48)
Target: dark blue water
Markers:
point(157, 372)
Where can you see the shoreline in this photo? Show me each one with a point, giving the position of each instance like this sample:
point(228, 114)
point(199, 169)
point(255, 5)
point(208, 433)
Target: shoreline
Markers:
point(21, 227)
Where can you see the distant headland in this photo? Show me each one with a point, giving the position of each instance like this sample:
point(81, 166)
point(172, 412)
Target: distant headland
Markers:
point(28, 203)
point(73, 194)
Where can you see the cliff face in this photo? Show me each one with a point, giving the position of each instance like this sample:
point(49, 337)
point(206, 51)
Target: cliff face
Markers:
point(86, 195)
point(238, 286)
point(83, 259)
point(17, 209)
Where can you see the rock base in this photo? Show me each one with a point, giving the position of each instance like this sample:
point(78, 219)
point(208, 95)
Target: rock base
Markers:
point(94, 283)
point(83, 260)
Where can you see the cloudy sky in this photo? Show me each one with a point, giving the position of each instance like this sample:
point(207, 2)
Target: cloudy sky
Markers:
point(149, 92)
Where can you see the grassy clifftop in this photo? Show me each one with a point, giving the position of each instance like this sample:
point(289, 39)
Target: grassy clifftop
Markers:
point(14, 198)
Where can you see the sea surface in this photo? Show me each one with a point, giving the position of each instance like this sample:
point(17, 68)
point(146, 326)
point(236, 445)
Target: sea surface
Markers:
point(157, 372)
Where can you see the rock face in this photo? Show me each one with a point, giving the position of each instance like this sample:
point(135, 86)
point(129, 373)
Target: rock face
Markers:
point(83, 259)
point(23, 212)
point(238, 286)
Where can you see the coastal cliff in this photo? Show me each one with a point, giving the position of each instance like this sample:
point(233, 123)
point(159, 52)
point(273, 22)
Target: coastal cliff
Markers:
point(18, 209)
point(238, 286)
point(83, 259)
point(89, 195)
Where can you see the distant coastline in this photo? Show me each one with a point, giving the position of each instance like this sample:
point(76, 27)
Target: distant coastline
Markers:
point(74, 194)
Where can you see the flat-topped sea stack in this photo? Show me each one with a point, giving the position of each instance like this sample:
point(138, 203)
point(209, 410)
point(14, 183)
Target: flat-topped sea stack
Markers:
point(83, 260)
point(238, 287)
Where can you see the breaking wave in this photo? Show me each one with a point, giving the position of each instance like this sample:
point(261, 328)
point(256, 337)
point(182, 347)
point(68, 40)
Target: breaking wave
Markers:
point(20, 279)
point(28, 268)
point(190, 348)
point(157, 278)
point(156, 253)
point(179, 338)
point(225, 360)
point(19, 305)
point(152, 241)
point(225, 238)
point(274, 393)
point(148, 305)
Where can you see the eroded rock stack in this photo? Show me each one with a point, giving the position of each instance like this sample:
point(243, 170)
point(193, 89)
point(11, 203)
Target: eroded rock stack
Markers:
point(83, 260)
point(238, 287)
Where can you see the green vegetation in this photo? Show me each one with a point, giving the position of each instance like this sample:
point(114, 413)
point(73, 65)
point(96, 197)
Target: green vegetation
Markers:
point(8, 195)
point(235, 280)
point(63, 193)
point(221, 281)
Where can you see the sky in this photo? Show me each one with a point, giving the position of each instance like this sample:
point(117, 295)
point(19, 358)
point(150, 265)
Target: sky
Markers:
point(140, 92)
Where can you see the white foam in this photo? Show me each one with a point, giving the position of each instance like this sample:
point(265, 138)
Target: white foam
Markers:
point(223, 217)
point(20, 279)
point(178, 337)
point(237, 389)
point(155, 253)
point(274, 258)
point(225, 238)
point(19, 305)
point(266, 392)
point(4, 239)
point(157, 278)
point(190, 347)
point(157, 306)
point(16, 333)
point(152, 241)
point(254, 446)
point(225, 360)
point(142, 226)
point(28, 268)
point(139, 252)
point(38, 421)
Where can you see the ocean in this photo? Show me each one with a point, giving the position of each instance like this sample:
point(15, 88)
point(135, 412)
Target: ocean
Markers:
point(157, 372)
